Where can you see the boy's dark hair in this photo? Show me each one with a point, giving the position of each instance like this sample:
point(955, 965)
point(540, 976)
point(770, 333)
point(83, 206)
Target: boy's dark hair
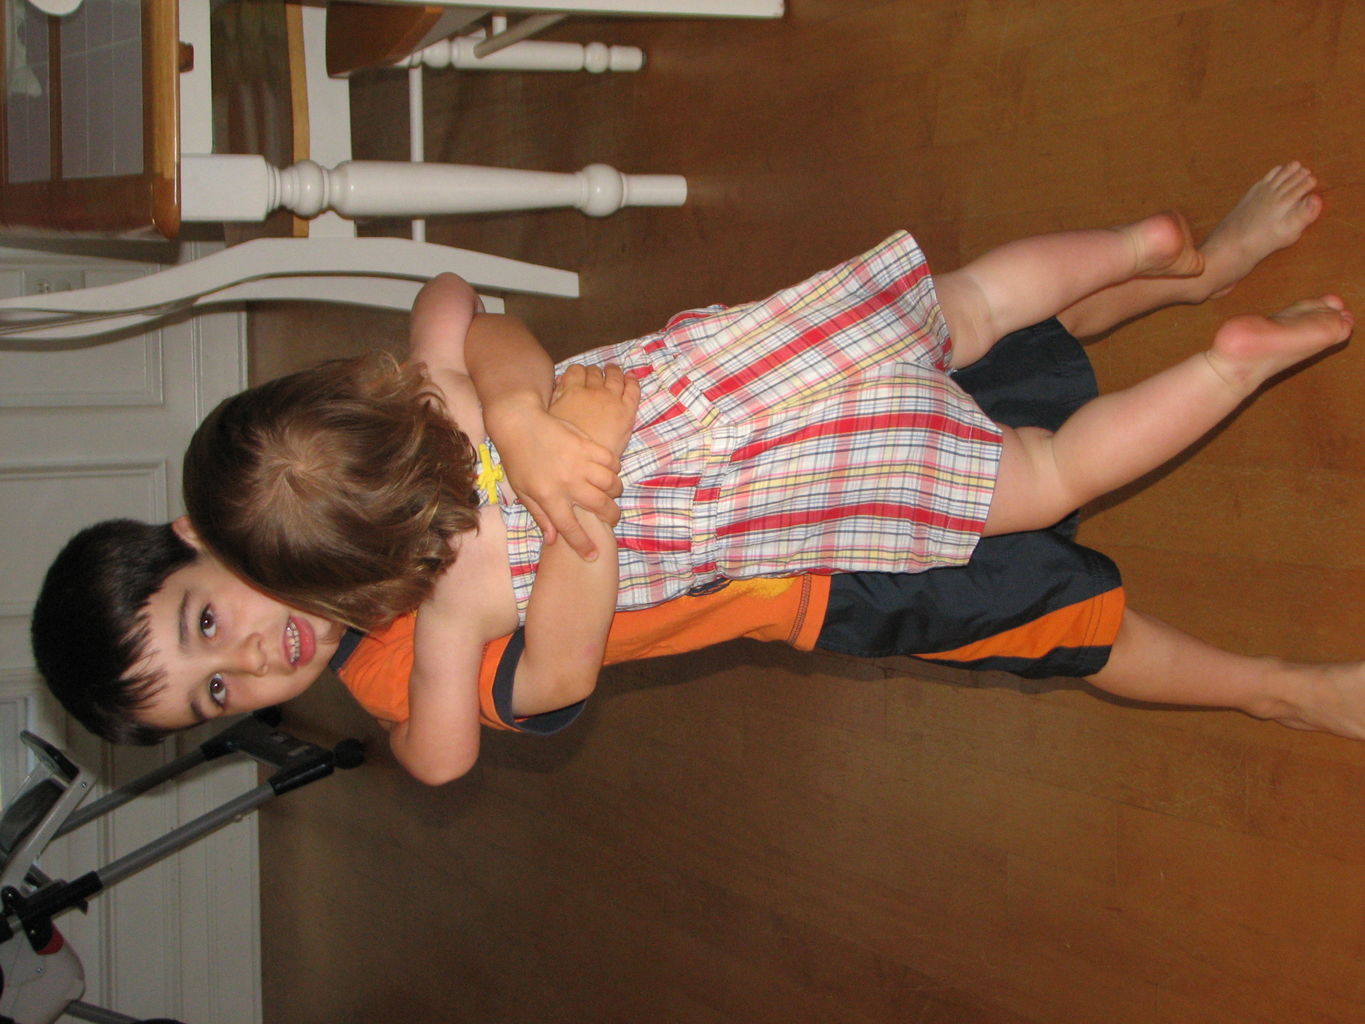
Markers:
point(89, 627)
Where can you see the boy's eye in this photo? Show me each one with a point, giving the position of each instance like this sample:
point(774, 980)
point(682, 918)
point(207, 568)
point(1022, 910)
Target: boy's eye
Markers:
point(208, 624)
point(218, 691)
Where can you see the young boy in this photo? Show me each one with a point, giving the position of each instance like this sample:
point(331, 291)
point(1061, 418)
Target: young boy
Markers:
point(1273, 213)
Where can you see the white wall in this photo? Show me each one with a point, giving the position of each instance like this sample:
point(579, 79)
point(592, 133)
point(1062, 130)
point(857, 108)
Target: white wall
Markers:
point(86, 434)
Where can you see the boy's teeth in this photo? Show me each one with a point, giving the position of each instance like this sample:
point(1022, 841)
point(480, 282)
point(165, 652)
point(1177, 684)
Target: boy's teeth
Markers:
point(291, 632)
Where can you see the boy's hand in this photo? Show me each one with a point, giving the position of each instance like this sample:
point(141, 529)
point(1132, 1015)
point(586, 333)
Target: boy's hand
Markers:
point(553, 466)
point(600, 401)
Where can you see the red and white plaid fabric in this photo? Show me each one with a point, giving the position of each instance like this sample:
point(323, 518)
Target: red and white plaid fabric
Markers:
point(816, 431)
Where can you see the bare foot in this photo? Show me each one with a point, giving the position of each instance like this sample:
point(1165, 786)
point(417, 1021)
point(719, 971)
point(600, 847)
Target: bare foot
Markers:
point(1271, 216)
point(1249, 349)
point(1324, 698)
point(1164, 247)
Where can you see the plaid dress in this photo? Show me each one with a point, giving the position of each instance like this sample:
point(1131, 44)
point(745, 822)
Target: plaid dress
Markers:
point(815, 431)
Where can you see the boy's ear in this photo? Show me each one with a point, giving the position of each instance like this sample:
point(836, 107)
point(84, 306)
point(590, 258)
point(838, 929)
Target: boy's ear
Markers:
point(185, 530)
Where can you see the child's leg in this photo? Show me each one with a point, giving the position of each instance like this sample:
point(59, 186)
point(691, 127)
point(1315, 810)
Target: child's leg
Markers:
point(1159, 664)
point(1118, 437)
point(1026, 281)
point(1272, 215)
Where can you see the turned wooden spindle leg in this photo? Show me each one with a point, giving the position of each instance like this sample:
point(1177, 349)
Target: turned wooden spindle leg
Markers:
point(224, 187)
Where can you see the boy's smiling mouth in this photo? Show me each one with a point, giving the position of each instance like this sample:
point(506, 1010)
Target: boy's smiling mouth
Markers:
point(300, 642)
point(293, 642)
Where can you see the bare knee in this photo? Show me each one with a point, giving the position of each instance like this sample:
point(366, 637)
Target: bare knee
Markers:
point(1031, 492)
point(967, 311)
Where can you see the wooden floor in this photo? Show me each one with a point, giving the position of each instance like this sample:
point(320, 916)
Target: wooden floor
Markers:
point(754, 835)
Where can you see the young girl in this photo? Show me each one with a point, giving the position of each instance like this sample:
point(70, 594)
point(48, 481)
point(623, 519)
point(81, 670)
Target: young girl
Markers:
point(816, 431)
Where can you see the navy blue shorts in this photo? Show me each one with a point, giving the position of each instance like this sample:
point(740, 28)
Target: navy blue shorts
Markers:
point(1035, 604)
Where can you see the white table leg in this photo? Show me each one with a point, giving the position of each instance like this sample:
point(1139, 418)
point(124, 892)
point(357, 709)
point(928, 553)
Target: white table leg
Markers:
point(223, 187)
point(527, 56)
point(660, 8)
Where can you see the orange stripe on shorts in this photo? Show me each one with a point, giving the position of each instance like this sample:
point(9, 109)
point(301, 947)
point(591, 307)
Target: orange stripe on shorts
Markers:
point(1093, 622)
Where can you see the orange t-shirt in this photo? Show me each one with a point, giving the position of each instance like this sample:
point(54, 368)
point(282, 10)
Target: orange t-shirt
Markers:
point(787, 610)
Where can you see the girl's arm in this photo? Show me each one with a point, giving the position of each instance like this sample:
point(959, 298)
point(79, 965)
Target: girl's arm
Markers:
point(570, 612)
point(440, 739)
point(439, 742)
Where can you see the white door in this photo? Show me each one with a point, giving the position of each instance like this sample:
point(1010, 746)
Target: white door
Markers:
point(88, 434)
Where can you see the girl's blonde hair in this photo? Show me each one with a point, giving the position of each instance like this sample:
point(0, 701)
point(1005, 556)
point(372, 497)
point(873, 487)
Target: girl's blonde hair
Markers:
point(338, 488)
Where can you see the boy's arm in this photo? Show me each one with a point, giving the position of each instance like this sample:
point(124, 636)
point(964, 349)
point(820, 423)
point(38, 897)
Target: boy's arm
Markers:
point(571, 607)
point(573, 600)
point(551, 464)
point(599, 401)
point(439, 324)
point(568, 616)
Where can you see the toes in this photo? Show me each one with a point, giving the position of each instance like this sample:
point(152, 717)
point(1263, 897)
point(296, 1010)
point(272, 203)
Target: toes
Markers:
point(1324, 304)
point(1303, 185)
point(1281, 173)
point(1291, 179)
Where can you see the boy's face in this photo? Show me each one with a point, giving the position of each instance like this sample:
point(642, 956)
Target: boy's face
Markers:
point(222, 647)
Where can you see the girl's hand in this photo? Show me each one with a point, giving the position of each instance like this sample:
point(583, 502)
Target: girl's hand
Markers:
point(600, 401)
